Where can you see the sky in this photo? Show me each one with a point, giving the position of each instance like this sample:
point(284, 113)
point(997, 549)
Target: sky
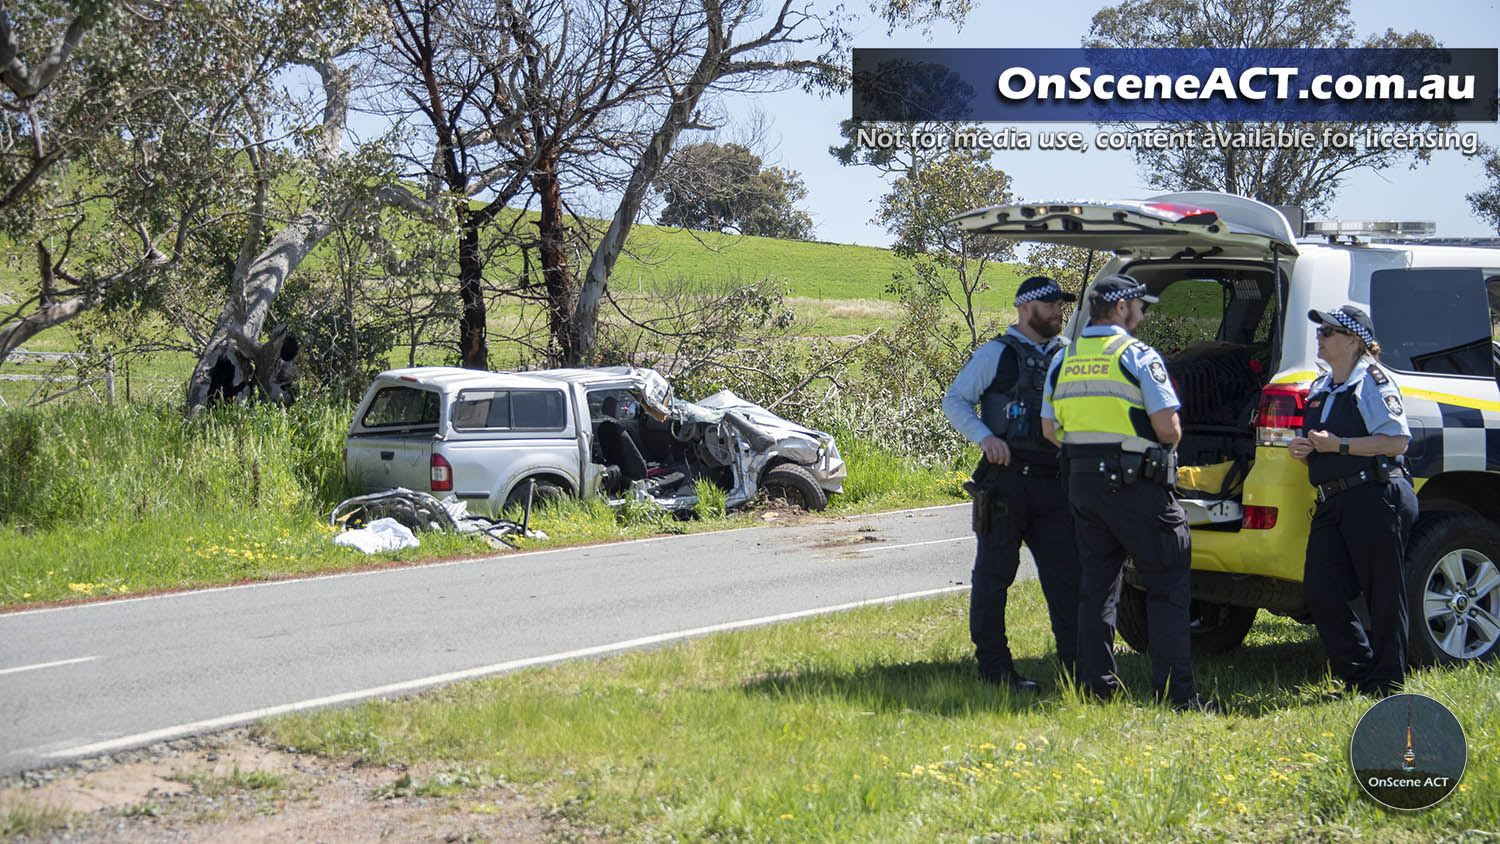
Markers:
point(842, 200)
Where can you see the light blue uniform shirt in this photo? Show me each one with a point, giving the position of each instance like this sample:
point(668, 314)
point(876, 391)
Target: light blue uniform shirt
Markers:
point(971, 382)
point(1140, 360)
point(1379, 404)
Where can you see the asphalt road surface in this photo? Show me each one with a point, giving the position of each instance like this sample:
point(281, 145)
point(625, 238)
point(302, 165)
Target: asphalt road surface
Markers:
point(96, 678)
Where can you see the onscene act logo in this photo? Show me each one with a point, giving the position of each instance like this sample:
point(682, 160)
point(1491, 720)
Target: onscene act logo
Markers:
point(1408, 752)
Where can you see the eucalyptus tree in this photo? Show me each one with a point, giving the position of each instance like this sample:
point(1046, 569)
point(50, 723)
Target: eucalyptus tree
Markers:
point(92, 94)
point(574, 104)
point(724, 187)
point(155, 160)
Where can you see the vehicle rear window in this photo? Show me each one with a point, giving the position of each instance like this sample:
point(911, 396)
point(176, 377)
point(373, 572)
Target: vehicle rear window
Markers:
point(1434, 320)
point(402, 407)
point(521, 410)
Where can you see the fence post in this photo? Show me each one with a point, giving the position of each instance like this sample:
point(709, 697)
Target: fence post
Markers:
point(109, 378)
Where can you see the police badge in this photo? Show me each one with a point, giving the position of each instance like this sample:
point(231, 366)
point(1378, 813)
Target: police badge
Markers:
point(1393, 404)
point(1158, 372)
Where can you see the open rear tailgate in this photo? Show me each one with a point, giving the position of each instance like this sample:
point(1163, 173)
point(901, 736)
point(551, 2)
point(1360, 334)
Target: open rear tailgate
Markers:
point(1231, 226)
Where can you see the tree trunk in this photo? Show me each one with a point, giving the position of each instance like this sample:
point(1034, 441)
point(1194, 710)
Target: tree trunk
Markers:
point(473, 345)
point(585, 321)
point(557, 276)
point(245, 313)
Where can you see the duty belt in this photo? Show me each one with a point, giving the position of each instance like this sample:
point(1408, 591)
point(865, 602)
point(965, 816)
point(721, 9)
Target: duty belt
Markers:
point(1123, 468)
point(1331, 488)
point(1027, 469)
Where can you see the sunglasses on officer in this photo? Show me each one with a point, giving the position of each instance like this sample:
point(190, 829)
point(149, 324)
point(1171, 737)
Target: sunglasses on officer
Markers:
point(1325, 331)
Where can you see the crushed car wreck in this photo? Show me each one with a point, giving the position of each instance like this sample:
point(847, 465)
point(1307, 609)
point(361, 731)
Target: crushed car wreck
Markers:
point(492, 438)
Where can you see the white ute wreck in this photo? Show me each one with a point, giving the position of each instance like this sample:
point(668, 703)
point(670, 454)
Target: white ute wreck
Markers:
point(493, 438)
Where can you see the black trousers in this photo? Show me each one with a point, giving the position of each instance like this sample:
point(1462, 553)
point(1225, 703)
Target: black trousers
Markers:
point(1144, 522)
point(1036, 512)
point(1357, 545)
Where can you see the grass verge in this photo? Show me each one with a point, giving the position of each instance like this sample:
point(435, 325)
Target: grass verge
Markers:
point(870, 726)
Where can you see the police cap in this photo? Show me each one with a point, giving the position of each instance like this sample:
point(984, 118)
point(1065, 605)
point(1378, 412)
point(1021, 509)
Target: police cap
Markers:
point(1039, 288)
point(1118, 288)
point(1349, 318)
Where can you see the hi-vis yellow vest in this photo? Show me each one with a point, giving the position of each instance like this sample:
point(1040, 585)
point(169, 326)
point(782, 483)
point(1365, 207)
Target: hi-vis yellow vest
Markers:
point(1093, 398)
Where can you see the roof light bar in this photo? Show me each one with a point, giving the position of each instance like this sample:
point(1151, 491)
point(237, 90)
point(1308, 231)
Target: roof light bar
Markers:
point(1343, 228)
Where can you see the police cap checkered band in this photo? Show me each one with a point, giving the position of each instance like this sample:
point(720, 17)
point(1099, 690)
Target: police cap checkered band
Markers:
point(1118, 288)
point(1121, 295)
point(1352, 319)
point(1043, 289)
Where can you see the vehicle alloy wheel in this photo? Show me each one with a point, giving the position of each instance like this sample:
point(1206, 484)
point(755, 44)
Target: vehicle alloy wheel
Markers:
point(1461, 604)
point(1453, 589)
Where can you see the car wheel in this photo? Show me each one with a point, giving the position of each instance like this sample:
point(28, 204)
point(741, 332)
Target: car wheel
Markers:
point(794, 484)
point(545, 492)
point(1215, 628)
point(1453, 589)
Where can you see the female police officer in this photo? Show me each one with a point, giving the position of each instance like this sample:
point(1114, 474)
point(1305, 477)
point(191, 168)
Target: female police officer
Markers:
point(1354, 429)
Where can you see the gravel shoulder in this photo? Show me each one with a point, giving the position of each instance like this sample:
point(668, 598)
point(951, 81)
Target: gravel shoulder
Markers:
point(229, 787)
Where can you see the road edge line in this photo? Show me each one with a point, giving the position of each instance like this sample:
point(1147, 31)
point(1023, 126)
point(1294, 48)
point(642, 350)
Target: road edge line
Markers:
point(421, 683)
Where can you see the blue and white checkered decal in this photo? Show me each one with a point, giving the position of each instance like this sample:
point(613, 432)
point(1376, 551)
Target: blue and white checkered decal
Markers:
point(1450, 437)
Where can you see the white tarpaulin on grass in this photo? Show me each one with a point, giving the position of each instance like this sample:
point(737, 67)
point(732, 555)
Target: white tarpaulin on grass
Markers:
point(380, 535)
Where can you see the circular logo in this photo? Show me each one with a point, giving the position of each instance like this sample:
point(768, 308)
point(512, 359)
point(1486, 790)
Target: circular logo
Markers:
point(1408, 752)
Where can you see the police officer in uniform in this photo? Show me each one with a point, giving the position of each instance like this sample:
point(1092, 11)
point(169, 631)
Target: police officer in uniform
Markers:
point(1018, 494)
point(1354, 434)
point(1112, 407)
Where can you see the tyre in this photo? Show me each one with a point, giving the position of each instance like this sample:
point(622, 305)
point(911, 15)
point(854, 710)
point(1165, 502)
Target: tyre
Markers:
point(1216, 628)
point(793, 483)
point(545, 491)
point(1453, 589)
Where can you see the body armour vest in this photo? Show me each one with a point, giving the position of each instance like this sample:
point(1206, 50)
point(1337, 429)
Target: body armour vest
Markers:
point(1344, 420)
point(1011, 406)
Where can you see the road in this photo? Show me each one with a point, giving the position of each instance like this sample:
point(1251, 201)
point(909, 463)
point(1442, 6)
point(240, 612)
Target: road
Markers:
point(96, 678)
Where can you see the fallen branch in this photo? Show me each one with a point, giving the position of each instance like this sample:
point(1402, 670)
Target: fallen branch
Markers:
point(820, 370)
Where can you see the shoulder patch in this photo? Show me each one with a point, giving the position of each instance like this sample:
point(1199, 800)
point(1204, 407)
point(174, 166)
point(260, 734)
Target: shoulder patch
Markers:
point(1158, 372)
point(1378, 374)
point(1393, 404)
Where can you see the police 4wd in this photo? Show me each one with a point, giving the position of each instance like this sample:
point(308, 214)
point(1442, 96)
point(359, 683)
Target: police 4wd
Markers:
point(1236, 279)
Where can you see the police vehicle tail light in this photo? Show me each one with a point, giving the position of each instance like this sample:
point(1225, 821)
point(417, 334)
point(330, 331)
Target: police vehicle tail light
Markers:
point(1258, 518)
point(440, 472)
point(1280, 414)
point(1179, 213)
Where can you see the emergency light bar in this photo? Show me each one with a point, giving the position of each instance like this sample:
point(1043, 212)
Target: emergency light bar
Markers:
point(1349, 228)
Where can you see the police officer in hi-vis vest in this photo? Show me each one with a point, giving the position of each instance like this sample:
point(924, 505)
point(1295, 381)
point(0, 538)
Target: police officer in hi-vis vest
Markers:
point(1018, 494)
point(1354, 434)
point(1114, 411)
